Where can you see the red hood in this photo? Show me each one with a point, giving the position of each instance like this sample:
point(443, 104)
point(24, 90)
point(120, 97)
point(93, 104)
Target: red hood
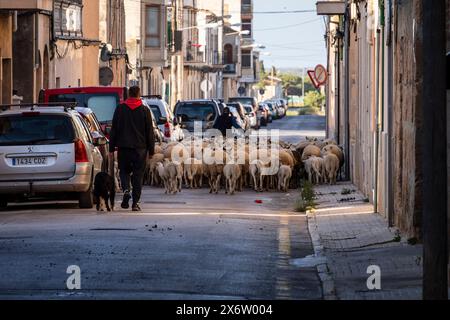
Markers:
point(133, 103)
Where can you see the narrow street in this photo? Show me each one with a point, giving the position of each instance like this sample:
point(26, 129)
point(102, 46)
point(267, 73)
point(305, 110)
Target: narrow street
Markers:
point(189, 246)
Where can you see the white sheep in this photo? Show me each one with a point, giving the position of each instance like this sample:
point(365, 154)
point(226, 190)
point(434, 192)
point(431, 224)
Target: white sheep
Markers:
point(284, 178)
point(232, 173)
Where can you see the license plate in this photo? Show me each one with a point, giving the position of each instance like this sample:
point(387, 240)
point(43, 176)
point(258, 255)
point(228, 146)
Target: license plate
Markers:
point(35, 161)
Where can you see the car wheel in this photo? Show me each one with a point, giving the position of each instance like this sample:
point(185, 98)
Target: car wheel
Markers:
point(86, 199)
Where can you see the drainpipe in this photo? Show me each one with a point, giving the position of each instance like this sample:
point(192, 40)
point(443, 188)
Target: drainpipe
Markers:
point(15, 25)
point(379, 116)
point(377, 121)
point(337, 103)
point(347, 91)
point(390, 158)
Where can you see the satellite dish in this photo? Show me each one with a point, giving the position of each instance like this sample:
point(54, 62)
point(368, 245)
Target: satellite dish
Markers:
point(106, 76)
point(241, 90)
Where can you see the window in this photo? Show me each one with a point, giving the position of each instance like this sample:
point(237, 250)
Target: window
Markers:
point(247, 26)
point(228, 48)
point(103, 106)
point(152, 29)
point(67, 18)
point(35, 130)
point(246, 59)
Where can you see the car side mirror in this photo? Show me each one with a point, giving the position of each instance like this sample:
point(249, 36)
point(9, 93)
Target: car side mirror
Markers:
point(99, 139)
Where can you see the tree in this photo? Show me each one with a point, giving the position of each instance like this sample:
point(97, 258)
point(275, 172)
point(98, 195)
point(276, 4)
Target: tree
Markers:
point(289, 82)
point(314, 99)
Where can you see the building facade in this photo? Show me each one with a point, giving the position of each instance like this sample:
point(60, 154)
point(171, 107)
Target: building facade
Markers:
point(374, 104)
point(191, 49)
point(7, 21)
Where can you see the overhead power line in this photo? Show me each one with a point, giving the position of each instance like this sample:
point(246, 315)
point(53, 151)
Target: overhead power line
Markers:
point(283, 12)
point(289, 26)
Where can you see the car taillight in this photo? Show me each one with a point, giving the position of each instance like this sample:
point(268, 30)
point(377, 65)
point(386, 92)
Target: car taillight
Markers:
point(167, 130)
point(80, 152)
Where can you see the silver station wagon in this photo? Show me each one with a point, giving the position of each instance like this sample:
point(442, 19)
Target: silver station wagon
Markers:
point(46, 150)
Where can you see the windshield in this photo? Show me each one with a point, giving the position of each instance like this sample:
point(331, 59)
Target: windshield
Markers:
point(36, 130)
point(242, 100)
point(157, 114)
point(103, 105)
point(248, 109)
point(197, 112)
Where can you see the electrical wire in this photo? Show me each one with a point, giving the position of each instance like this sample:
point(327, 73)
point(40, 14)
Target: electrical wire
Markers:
point(289, 26)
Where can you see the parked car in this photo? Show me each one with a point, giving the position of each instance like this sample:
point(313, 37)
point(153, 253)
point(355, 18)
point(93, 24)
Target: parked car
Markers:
point(239, 121)
point(273, 110)
point(242, 114)
point(47, 150)
point(96, 132)
point(251, 114)
point(284, 104)
point(165, 119)
point(191, 111)
point(102, 100)
point(265, 114)
point(245, 100)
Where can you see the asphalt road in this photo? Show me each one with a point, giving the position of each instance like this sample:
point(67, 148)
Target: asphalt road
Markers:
point(189, 246)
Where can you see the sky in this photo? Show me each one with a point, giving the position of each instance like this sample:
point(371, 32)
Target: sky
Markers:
point(294, 40)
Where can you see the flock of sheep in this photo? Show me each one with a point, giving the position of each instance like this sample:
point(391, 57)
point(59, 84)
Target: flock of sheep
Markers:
point(179, 164)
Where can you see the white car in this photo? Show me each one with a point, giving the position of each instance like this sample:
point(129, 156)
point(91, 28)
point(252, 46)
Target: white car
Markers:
point(165, 119)
point(47, 151)
point(253, 119)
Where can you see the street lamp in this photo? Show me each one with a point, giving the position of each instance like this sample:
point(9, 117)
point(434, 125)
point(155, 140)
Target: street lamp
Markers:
point(254, 46)
point(242, 33)
point(205, 26)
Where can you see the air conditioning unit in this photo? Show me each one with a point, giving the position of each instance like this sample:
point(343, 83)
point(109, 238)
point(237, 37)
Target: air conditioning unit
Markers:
point(229, 68)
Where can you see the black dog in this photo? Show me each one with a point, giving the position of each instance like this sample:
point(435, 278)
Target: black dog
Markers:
point(104, 191)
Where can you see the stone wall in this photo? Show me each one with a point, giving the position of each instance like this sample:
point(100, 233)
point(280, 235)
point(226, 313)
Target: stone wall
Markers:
point(407, 117)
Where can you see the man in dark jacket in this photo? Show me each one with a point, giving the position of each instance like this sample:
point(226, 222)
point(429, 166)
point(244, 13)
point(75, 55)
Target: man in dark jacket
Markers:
point(132, 134)
point(226, 121)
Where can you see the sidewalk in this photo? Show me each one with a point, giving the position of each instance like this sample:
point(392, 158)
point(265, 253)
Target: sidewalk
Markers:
point(351, 237)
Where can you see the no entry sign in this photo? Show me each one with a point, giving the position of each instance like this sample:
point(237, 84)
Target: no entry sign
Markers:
point(318, 76)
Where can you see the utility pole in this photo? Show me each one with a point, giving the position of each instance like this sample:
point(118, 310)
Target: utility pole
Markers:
point(220, 51)
point(347, 91)
point(173, 59)
point(180, 53)
point(434, 157)
point(177, 63)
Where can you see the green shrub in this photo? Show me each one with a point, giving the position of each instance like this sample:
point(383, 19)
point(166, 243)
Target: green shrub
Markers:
point(307, 197)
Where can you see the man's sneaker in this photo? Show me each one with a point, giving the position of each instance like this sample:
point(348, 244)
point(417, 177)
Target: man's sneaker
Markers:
point(126, 200)
point(136, 208)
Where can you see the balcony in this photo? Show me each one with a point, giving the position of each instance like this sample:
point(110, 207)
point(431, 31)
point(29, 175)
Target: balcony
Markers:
point(46, 5)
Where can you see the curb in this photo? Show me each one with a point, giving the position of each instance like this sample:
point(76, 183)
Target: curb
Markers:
point(326, 277)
